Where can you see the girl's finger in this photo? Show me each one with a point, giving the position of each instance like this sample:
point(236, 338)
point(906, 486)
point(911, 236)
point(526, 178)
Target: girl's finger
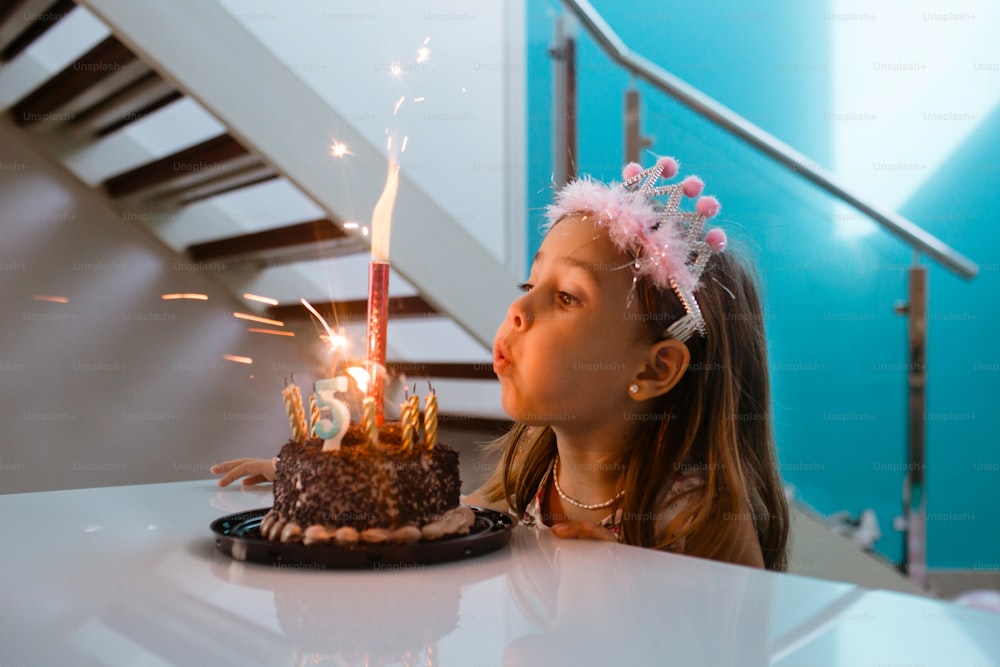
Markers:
point(234, 474)
point(596, 532)
point(254, 479)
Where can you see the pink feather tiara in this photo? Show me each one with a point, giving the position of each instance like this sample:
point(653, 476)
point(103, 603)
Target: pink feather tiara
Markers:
point(665, 243)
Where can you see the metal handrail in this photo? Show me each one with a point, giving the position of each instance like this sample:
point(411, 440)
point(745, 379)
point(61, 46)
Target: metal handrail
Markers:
point(771, 146)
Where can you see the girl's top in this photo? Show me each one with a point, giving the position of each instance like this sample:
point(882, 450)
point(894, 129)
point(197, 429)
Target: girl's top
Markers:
point(682, 482)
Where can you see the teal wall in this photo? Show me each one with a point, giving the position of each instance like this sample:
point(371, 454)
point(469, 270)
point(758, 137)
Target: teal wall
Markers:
point(837, 347)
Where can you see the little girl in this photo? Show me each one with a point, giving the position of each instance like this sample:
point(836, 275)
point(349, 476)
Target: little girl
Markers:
point(635, 369)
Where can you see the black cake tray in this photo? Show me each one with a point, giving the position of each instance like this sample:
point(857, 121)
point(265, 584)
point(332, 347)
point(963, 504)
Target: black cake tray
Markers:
point(238, 536)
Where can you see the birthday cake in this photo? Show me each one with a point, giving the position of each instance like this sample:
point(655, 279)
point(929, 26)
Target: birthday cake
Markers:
point(366, 491)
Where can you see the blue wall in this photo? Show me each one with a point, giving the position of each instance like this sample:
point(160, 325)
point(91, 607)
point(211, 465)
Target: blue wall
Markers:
point(837, 348)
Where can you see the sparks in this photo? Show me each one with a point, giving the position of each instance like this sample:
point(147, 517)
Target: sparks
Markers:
point(399, 103)
point(322, 320)
point(395, 70)
point(351, 225)
point(238, 359)
point(273, 332)
point(423, 53)
point(339, 149)
point(418, 99)
point(403, 147)
point(261, 299)
point(50, 298)
point(261, 320)
point(337, 341)
point(186, 296)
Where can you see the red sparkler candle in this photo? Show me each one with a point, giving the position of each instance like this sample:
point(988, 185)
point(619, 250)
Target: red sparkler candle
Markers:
point(378, 289)
point(378, 311)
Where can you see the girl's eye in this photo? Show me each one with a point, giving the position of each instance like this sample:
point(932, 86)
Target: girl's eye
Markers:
point(525, 287)
point(567, 299)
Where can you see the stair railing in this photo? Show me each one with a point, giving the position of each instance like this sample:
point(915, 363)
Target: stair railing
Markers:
point(563, 53)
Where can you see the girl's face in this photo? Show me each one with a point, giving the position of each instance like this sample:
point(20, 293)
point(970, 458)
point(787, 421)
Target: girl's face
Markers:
point(570, 346)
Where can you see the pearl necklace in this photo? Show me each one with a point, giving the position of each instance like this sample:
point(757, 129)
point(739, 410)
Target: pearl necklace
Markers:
point(576, 503)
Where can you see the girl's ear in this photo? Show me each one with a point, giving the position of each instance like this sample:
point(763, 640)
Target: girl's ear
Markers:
point(666, 363)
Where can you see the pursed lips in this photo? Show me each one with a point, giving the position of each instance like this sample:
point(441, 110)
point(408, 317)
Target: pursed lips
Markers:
point(501, 358)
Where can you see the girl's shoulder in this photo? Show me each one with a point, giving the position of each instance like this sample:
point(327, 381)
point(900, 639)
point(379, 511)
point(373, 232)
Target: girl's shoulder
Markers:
point(684, 489)
point(681, 488)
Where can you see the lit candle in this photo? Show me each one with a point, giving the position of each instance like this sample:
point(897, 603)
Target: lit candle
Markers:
point(368, 421)
point(378, 287)
point(430, 420)
point(332, 430)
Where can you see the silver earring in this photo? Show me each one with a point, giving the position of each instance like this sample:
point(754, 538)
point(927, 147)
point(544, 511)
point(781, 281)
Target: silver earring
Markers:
point(633, 389)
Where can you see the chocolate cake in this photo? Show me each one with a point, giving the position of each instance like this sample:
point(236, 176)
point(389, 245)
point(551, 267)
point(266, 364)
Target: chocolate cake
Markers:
point(366, 493)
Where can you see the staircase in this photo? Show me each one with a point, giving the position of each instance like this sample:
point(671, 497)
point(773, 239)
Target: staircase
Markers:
point(247, 192)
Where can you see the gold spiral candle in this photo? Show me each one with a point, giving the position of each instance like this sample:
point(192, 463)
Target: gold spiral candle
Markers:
point(299, 429)
point(430, 420)
point(368, 422)
point(406, 420)
point(286, 394)
point(313, 414)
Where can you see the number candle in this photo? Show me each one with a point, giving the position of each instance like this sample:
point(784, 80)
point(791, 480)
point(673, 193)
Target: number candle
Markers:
point(332, 430)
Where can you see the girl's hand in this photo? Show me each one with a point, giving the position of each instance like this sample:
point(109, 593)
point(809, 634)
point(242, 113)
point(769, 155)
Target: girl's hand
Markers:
point(585, 530)
point(255, 471)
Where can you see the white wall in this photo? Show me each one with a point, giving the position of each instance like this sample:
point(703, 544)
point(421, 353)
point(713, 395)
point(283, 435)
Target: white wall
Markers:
point(118, 386)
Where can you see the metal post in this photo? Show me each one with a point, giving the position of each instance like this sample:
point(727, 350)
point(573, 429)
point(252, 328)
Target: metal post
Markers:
point(634, 141)
point(563, 53)
point(914, 494)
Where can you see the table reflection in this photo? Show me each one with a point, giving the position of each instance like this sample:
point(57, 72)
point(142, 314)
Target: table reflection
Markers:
point(568, 589)
point(391, 615)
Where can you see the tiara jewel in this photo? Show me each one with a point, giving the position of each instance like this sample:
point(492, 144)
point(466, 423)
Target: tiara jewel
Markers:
point(644, 220)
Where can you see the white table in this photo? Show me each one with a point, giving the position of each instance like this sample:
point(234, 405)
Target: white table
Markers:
point(131, 576)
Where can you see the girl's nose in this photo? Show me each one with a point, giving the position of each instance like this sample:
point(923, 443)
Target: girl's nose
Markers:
point(519, 313)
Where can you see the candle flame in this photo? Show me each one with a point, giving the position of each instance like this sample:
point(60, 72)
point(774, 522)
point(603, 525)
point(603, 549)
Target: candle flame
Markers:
point(382, 215)
point(185, 295)
point(50, 298)
point(273, 332)
point(360, 376)
point(238, 359)
point(260, 320)
point(262, 299)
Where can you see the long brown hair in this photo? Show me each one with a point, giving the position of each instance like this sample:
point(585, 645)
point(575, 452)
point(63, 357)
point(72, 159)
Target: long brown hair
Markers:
point(715, 422)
